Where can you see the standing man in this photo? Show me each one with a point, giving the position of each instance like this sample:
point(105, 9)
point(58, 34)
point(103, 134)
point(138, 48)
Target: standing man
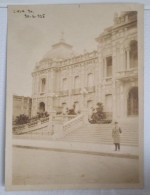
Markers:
point(116, 135)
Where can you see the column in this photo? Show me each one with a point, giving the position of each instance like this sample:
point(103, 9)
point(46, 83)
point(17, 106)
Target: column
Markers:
point(121, 101)
point(114, 102)
point(104, 67)
point(83, 85)
point(70, 85)
point(128, 58)
point(114, 61)
point(39, 83)
point(122, 59)
point(33, 85)
point(49, 81)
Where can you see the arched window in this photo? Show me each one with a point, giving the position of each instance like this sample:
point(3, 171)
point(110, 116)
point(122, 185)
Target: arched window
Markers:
point(133, 54)
point(90, 80)
point(109, 66)
point(132, 101)
point(43, 85)
point(76, 82)
point(42, 107)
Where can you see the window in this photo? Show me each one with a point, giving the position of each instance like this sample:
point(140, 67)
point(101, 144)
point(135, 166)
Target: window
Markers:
point(43, 85)
point(132, 101)
point(90, 80)
point(76, 82)
point(133, 54)
point(109, 66)
point(41, 107)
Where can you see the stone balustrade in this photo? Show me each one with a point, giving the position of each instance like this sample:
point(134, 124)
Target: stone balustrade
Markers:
point(127, 73)
point(73, 124)
point(64, 93)
point(90, 89)
point(63, 118)
point(76, 91)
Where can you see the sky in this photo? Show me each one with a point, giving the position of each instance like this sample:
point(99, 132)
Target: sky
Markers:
point(29, 39)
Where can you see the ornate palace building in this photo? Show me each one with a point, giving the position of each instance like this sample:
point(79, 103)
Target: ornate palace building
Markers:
point(108, 75)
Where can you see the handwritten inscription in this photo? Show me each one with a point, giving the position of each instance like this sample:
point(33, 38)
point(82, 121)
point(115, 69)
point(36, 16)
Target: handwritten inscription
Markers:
point(28, 13)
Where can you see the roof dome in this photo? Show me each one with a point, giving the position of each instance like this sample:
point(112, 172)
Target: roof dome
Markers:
point(59, 51)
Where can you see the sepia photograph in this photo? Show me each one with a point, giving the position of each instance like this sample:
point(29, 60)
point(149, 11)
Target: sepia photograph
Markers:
point(74, 97)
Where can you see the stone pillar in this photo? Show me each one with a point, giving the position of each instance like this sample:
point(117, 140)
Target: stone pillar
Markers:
point(122, 59)
point(33, 85)
point(51, 104)
point(117, 99)
point(22, 105)
point(70, 86)
point(114, 61)
point(51, 123)
point(121, 101)
point(97, 82)
point(114, 70)
point(114, 102)
point(51, 81)
point(128, 58)
point(36, 85)
point(39, 83)
point(104, 73)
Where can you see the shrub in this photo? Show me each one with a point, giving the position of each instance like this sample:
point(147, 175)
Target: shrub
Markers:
point(99, 115)
point(42, 115)
point(72, 110)
point(22, 119)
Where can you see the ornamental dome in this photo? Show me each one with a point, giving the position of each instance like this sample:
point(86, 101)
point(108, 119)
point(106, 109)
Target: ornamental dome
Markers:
point(59, 51)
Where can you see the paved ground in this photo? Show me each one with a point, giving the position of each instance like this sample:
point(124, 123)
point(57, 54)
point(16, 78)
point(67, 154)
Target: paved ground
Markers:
point(75, 147)
point(40, 166)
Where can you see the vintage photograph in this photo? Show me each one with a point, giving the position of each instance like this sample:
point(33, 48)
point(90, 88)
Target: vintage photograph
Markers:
point(74, 108)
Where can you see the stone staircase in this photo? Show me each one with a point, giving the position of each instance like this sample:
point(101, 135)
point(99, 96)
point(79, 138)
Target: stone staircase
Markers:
point(102, 134)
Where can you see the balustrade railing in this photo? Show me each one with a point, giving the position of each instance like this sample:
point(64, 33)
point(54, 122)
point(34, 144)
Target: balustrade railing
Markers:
point(44, 120)
point(76, 91)
point(64, 93)
point(90, 89)
point(63, 118)
point(73, 124)
point(127, 73)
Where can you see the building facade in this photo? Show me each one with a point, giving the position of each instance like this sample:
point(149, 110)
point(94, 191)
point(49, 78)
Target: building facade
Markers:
point(108, 75)
point(21, 105)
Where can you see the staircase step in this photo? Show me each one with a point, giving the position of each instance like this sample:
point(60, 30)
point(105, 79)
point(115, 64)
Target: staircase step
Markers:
point(102, 134)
